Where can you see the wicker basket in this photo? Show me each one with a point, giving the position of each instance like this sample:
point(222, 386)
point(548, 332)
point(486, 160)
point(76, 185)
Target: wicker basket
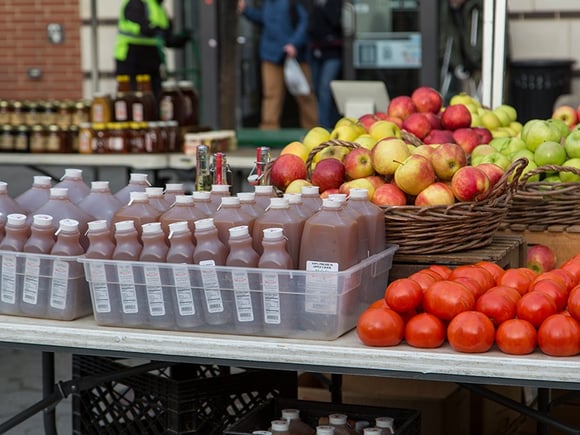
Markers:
point(453, 228)
point(545, 203)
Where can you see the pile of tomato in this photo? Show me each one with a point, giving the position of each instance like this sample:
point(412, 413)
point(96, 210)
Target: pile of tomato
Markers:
point(474, 306)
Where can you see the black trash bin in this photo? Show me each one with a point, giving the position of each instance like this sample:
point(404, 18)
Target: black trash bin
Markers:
point(536, 84)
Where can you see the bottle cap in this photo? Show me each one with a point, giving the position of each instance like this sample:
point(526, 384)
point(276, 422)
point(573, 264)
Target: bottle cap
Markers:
point(359, 193)
point(3, 186)
point(184, 199)
point(135, 176)
point(259, 188)
point(68, 225)
point(99, 185)
point(372, 431)
point(340, 197)
point(324, 430)
point(200, 194)
point(261, 432)
point(240, 231)
point(151, 228)
point(385, 422)
point(98, 225)
point(154, 192)
point(337, 419)
point(41, 180)
point(185, 84)
point(138, 196)
point(330, 203)
point(72, 173)
point(42, 220)
point(310, 190)
point(178, 227)
point(280, 425)
point(273, 233)
point(279, 203)
point(124, 226)
point(230, 200)
point(290, 414)
point(59, 192)
point(293, 198)
point(174, 187)
point(246, 196)
point(16, 219)
point(203, 224)
point(220, 187)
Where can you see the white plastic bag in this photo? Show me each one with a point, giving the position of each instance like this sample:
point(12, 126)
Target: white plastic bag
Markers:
point(294, 77)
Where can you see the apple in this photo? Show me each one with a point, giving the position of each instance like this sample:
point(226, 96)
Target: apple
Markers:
point(553, 179)
point(367, 120)
point(330, 152)
point(537, 131)
point(516, 126)
point(347, 132)
point(493, 172)
point(447, 159)
point(366, 140)
point(572, 143)
point(456, 116)
point(417, 124)
point(376, 180)
point(425, 150)
point(570, 177)
point(562, 127)
point(358, 164)
point(438, 193)
point(389, 194)
point(484, 134)
point(496, 158)
point(503, 117)
point(540, 258)
point(296, 148)
point(346, 120)
point(296, 186)
point(427, 99)
point(328, 174)
point(480, 151)
point(529, 167)
point(490, 120)
point(466, 138)
point(359, 183)
point(510, 110)
point(384, 129)
point(414, 174)
point(395, 120)
point(550, 153)
point(285, 169)
point(567, 114)
point(439, 136)
point(387, 155)
point(470, 184)
point(434, 119)
point(401, 107)
point(513, 144)
point(526, 154)
point(463, 98)
point(315, 136)
point(329, 192)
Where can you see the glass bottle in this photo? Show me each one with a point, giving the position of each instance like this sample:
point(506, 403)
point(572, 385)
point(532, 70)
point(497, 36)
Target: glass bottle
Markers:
point(123, 101)
point(22, 139)
point(101, 108)
point(7, 138)
point(117, 137)
point(38, 139)
point(144, 105)
point(100, 138)
point(191, 116)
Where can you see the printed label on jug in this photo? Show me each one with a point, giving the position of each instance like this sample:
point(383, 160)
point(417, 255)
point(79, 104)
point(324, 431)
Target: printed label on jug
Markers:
point(183, 291)
point(31, 278)
point(59, 284)
point(127, 289)
point(321, 291)
point(271, 295)
point(211, 288)
point(8, 290)
point(154, 290)
point(100, 288)
point(243, 297)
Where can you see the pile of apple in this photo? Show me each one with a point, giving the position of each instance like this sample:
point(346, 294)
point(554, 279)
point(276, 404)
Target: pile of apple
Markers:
point(394, 171)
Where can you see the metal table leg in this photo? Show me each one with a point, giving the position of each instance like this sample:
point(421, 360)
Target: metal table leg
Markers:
point(49, 417)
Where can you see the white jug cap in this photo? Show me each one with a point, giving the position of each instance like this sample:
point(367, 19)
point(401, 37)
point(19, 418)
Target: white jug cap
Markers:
point(68, 225)
point(385, 422)
point(293, 198)
point(177, 227)
point(372, 431)
point(42, 220)
point(273, 233)
point(151, 228)
point(41, 180)
point(240, 231)
point(324, 430)
point(220, 187)
point(337, 419)
point(174, 187)
point(138, 196)
point(340, 197)
point(246, 196)
point(136, 176)
point(203, 224)
point(183, 199)
point(59, 192)
point(279, 203)
point(280, 425)
point(230, 200)
point(3, 186)
point(16, 219)
point(124, 225)
point(259, 188)
point(331, 203)
point(99, 185)
point(310, 190)
point(154, 191)
point(98, 225)
point(74, 173)
point(359, 193)
point(200, 194)
point(290, 414)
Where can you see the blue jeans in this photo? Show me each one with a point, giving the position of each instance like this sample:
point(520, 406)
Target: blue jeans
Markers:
point(323, 72)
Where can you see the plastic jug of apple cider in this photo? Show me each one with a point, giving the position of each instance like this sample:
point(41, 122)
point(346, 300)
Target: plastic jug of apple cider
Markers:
point(172, 190)
point(154, 245)
point(67, 239)
point(180, 243)
point(41, 237)
point(31, 199)
point(363, 235)
point(183, 209)
point(296, 425)
point(245, 283)
point(138, 210)
point(101, 242)
point(297, 206)
point(324, 430)
point(311, 198)
point(228, 215)
point(202, 201)
point(279, 215)
point(386, 425)
point(218, 191)
point(16, 233)
point(127, 244)
point(373, 218)
point(249, 204)
point(263, 193)
point(100, 202)
point(137, 183)
point(73, 181)
point(279, 427)
point(157, 199)
point(7, 204)
point(340, 424)
point(2, 225)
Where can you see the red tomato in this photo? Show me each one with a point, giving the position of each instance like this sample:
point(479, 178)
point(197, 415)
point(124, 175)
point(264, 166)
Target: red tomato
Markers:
point(472, 285)
point(424, 279)
point(471, 331)
point(535, 307)
point(425, 330)
point(509, 292)
point(495, 269)
point(380, 327)
point(516, 278)
point(403, 295)
point(554, 289)
point(558, 276)
point(574, 302)
point(441, 270)
point(446, 299)
point(379, 303)
point(497, 306)
point(516, 337)
point(559, 335)
point(480, 274)
point(573, 268)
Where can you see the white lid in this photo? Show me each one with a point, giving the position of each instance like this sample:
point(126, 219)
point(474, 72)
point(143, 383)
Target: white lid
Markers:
point(135, 176)
point(200, 194)
point(335, 419)
point(183, 199)
point(290, 414)
point(340, 197)
point(293, 198)
point(220, 187)
point(151, 228)
point(324, 430)
point(279, 203)
point(385, 422)
point(98, 225)
point(168, 84)
point(42, 220)
point(372, 431)
point(68, 225)
point(259, 188)
point(41, 180)
point(359, 193)
point(138, 196)
point(99, 185)
point(3, 186)
point(247, 196)
point(178, 227)
point(72, 173)
point(185, 83)
point(59, 192)
point(273, 233)
point(261, 432)
point(331, 203)
point(174, 187)
point(230, 200)
point(310, 190)
point(124, 226)
point(154, 191)
point(16, 219)
point(240, 231)
point(202, 224)
point(280, 425)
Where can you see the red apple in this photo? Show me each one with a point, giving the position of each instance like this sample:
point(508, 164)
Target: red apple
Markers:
point(387, 155)
point(485, 135)
point(328, 174)
point(540, 258)
point(329, 192)
point(447, 159)
point(395, 120)
point(418, 124)
point(493, 172)
point(456, 116)
point(425, 150)
point(567, 114)
point(285, 169)
point(439, 136)
point(467, 138)
point(358, 164)
point(376, 180)
point(427, 99)
point(358, 183)
point(389, 194)
point(401, 107)
point(470, 184)
point(414, 174)
point(437, 193)
point(381, 115)
point(367, 120)
point(434, 119)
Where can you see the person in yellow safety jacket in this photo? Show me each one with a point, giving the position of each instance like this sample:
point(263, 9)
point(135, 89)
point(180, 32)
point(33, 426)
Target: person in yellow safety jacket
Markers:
point(144, 30)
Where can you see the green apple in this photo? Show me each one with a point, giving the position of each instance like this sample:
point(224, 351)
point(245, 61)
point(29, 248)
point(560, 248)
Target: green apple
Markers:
point(552, 179)
point(500, 143)
point(481, 150)
point(366, 140)
point(537, 131)
point(315, 136)
point(490, 120)
point(572, 144)
point(509, 110)
point(515, 144)
point(384, 129)
point(503, 116)
point(529, 167)
point(570, 177)
point(526, 154)
point(562, 127)
point(463, 98)
point(550, 153)
point(516, 126)
point(496, 158)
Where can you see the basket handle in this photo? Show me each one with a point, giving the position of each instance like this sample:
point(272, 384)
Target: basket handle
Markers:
point(504, 185)
point(545, 168)
point(323, 145)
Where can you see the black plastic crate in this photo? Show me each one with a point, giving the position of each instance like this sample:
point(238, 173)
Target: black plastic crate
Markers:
point(177, 399)
point(407, 421)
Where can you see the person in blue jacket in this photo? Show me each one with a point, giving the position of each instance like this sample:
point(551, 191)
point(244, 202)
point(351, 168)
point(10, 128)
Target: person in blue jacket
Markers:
point(284, 33)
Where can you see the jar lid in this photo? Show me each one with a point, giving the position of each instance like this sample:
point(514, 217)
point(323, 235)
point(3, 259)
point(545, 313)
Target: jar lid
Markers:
point(178, 227)
point(273, 233)
point(41, 180)
point(154, 192)
point(16, 219)
point(124, 225)
point(203, 224)
point(337, 419)
point(98, 225)
point(67, 225)
point(99, 185)
point(183, 199)
point(240, 231)
point(151, 228)
point(42, 220)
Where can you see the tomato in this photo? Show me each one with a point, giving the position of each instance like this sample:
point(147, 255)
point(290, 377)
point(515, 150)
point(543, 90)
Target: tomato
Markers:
point(516, 337)
point(559, 335)
point(424, 279)
point(563, 279)
point(574, 302)
point(379, 303)
point(446, 299)
point(425, 330)
point(380, 327)
point(495, 269)
point(497, 306)
point(472, 285)
point(481, 275)
point(509, 292)
point(516, 278)
point(552, 288)
point(403, 294)
point(573, 268)
point(471, 331)
point(441, 270)
point(535, 307)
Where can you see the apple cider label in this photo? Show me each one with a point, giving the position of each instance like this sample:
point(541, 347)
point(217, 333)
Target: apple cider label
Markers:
point(59, 285)
point(321, 289)
point(241, 285)
point(211, 288)
point(102, 302)
point(154, 290)
point(8, 280)
point(31, 279)
point(183, 291)
point(127, 289)
point(271, 295)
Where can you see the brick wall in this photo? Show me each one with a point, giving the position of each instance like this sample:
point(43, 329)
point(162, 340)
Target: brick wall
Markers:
point(25, 44)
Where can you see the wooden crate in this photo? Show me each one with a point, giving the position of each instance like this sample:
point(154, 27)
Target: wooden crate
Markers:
point(563, 239)
point(505, 250)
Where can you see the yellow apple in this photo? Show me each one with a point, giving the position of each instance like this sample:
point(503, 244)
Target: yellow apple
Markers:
point(366, 141)
point(331, 152)
point(383, 129)
point(516, 126)
point(345, 121)
point(296, 148)
point(296, 186)
point(463, 98)
point(490, 120)
point(359, 183)
point(346, 132)
point(315, 136)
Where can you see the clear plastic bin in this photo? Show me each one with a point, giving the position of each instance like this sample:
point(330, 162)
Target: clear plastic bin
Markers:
point(235, 300)
point(43, 286)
